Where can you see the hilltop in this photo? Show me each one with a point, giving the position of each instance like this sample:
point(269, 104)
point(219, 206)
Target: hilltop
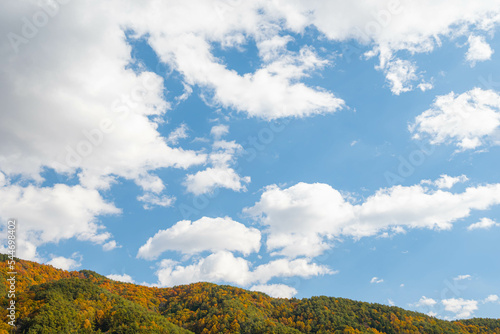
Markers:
point(51, 300)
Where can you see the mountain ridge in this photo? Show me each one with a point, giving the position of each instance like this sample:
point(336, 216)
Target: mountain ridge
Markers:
point(51, 300)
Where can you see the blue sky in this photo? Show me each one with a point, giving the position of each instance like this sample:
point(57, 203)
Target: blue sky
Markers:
point(308, 149)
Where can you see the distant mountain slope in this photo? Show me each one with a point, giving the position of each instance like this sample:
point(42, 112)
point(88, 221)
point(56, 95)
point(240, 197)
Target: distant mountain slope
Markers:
point(56, 301)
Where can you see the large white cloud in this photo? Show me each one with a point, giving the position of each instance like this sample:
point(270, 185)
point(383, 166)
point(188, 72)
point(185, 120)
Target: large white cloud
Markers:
point(301, 219)
point(51, 214)
point(223, 266)
point(70, 100)
point(67, 106)
point(184, 36)
point(392, 26)
point(205, 234)
point(468, 120)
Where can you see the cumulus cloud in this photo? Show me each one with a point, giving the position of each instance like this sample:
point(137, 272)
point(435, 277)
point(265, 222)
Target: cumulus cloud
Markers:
point(66, 263)
point(275, 290)
point(479, 50)
point(78, 109)
point(205, 234)
point(484, 223)
point(221, 174)
point(400, 74)
point(110, 245)
point(125, 278)
point(51, 214)
point(468, 120)
point(90, 114)
point(462, 277)
point(223, 266)
point(208, 180)
point(302, 220)
point(81, 109)
point(463, 308)
point(424, 301)
point(491, 299)
point(395, 26)
point(446, 181)
point(78, 112)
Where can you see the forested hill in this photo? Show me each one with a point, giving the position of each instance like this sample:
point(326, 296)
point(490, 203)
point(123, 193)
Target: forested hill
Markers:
point(50, 300)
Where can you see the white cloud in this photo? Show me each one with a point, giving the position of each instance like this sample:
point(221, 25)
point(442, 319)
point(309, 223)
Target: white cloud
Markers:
point(424, 301)
point(121, 278)
point(218, 267)
point(110, 245)
point(218, 131)
point(179, 133)
point(223, 266)
point(275, 290)
point(188, 90)
point(71, 108)
point(150, 200)
point(305, 218)
point(400, 74)
point(479, 50)
point(209, 179)
point(376, 280)
point(286, 268)
point(484, 223)
point(462, 277)
point(65, 263)
point(446, 181)
point(462, 308)
point(3, 180)
point(425, 86)
point(270, 92)
point(390, 27)
point(76, 108)
point(491, 299)
point(468, 120)
point(220, 175)
point(299, 217)
point(390, 302)
point(205, 234)
point(51, 214)
point(64, 100)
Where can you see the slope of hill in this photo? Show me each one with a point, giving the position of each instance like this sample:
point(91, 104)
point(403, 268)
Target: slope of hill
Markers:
point(50, 300)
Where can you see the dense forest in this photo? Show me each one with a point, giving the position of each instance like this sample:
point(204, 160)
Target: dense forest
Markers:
point(49, 300)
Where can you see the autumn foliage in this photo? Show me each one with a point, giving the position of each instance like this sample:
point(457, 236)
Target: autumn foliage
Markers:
point(50, 300)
